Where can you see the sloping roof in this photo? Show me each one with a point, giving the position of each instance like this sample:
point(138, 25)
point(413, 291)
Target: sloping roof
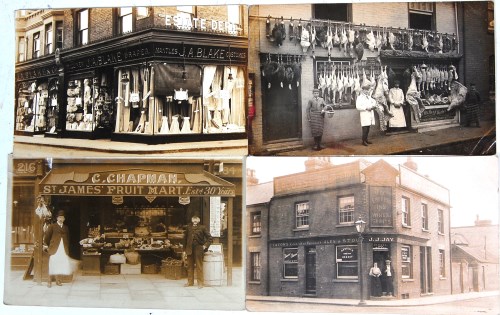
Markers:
point(260, 193)
point(478, 254)
point(476, 236)
point(381, 164)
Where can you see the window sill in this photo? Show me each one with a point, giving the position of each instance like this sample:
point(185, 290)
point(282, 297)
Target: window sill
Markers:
point(254, 282)
point(345, 280)
point(345, 225)
point(254, 236)
point(443, 278)
point(301, 229)
point(406, 226)
point(408, 280)
point(426, 231)
point(290, 280)
point(441, 233)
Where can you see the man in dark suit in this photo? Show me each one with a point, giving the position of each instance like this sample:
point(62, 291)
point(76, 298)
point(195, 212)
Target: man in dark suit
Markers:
point(56, 244)
point(197, 239)
point(386, 279)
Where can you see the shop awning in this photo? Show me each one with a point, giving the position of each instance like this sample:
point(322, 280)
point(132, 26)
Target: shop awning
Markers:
point(134, 180)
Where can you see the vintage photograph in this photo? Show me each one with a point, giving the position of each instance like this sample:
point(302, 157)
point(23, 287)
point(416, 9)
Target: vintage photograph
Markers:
point(131, 81)
point(155, 234)
point(391, 235)
point(372, 78)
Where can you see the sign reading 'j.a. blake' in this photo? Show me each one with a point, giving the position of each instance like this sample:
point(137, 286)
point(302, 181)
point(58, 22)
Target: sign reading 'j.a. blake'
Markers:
point(380, 206)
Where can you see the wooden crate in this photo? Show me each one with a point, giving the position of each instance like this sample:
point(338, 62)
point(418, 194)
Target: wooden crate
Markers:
point(128, 269)
point(112, 269)
point(150, 269)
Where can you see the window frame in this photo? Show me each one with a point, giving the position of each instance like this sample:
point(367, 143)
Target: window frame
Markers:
point(405, 211)
point(440, 221)
point(348, 11)
point(255, 266)
point(412, 10)
point(36, 45)
point(424, 216)
point(21, 49)
point(346, 212)
point(340, 263)
point(49, 39)
point(442, 264)
point(304, 218)
point(83, 34)
point(256, 229)
point(408, 263)
point(295, 263)
point(59, 35)
point(121, 17)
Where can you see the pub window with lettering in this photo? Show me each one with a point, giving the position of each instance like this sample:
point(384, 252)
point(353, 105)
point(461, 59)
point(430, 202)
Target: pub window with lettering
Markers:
point(302, 215)
point(346, 210)
point(290, 263)
point(406, 262)
point(255, 266)
point(347, 262)
point(405, 211)
point(256, 223)
point(425, 217)
point(82, 19)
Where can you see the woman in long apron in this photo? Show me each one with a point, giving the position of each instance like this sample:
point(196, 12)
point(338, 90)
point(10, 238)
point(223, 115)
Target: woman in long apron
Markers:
point(56, 243)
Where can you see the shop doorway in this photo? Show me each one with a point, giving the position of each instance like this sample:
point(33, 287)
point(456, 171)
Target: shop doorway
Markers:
point(381, 253)
point(311, 270)
point(426, 270)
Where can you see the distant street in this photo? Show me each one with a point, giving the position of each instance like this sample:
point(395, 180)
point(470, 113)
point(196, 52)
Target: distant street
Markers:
point(486, 305)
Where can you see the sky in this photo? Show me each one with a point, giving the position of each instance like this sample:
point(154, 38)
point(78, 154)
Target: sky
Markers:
point(472, 181)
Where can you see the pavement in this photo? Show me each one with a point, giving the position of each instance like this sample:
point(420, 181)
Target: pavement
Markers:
point(457, 140)
point(421, 301)
point(40, 146)
point(151, 291)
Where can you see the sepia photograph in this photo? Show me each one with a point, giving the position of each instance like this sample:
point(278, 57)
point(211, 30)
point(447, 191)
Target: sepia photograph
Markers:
point(374, 78)
point(378, 235)
point(155, 234)
point(135, 80)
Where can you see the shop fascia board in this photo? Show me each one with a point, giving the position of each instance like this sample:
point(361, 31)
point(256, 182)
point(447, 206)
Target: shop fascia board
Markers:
point(47, 60)
point(338, 236)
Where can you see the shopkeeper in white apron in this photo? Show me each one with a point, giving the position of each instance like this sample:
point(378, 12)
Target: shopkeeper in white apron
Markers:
point(396, 102)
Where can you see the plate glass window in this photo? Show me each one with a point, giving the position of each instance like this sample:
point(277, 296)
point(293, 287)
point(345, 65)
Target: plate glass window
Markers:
point(347, 261)
point(406, 262)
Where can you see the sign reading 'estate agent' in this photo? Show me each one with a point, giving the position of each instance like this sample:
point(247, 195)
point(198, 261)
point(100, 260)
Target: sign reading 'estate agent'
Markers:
point(380, 206)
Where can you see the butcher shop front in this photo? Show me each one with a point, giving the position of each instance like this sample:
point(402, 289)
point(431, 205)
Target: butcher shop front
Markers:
point(298, 54)
point(130, 218)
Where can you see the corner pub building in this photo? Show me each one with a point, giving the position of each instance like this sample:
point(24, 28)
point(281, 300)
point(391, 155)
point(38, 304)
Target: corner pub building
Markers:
point(303, 240)
point(142, 205)
point(136, 74)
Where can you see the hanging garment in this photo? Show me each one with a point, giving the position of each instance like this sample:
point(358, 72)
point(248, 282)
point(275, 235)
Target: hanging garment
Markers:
point(164, 125)
point(174, 127)
point(186, 126)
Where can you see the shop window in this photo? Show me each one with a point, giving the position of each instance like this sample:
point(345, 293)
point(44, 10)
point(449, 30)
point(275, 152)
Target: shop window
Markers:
point(425, 217)
point(302, 215)
point(346, 210)
point(406, 262)
point(125, 20)
point(491, 74)
point(290, 263)
point(440, 221)
point(89, 104)
point(325, 72)
point(336, 12)
point(255, 266)
point(22, 226)
point(256, 223)
point(21, 48)
point(347, 261)
point(59, 34)
point(421, 15)
point(36, 45)
point(442, 269)
point(405, 210)
point(83, 27)
point(49, 39)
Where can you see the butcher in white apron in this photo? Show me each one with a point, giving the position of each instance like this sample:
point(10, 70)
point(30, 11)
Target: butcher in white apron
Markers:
point(396, 102)
point(56, 243)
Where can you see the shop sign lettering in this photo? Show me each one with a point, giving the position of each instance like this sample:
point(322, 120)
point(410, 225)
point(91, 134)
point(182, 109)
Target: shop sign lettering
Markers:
point(347, 254)
point(197, 52)
point(381, 239)
point(191, 23)
point(310, 242)
point(434, 114)
point(380, 206)
point(141, 178)
point(25, 167)
point(36, 73)
point(215, 215)
point(136, 190)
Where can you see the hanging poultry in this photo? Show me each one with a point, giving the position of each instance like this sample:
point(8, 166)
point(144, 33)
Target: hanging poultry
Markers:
point(329, 38)
point(425, 42)
point(343, 40)
point(336, 38)
point(371, 41)
point(291, 30)
point(305, 39)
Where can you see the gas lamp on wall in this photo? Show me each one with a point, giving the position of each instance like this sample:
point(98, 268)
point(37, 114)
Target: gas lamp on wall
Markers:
point(230, 76)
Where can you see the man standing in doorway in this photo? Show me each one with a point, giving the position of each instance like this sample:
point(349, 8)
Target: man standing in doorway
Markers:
point(316, 118)
point(396, 101)
point(387, 277)
point(56, 244)
point(197, 239)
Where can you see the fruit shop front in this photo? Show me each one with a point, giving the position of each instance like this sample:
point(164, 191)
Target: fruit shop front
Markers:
point(130, 219)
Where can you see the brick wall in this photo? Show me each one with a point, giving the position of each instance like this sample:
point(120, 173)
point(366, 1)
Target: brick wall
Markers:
point(101, 24)
point(68, 29)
